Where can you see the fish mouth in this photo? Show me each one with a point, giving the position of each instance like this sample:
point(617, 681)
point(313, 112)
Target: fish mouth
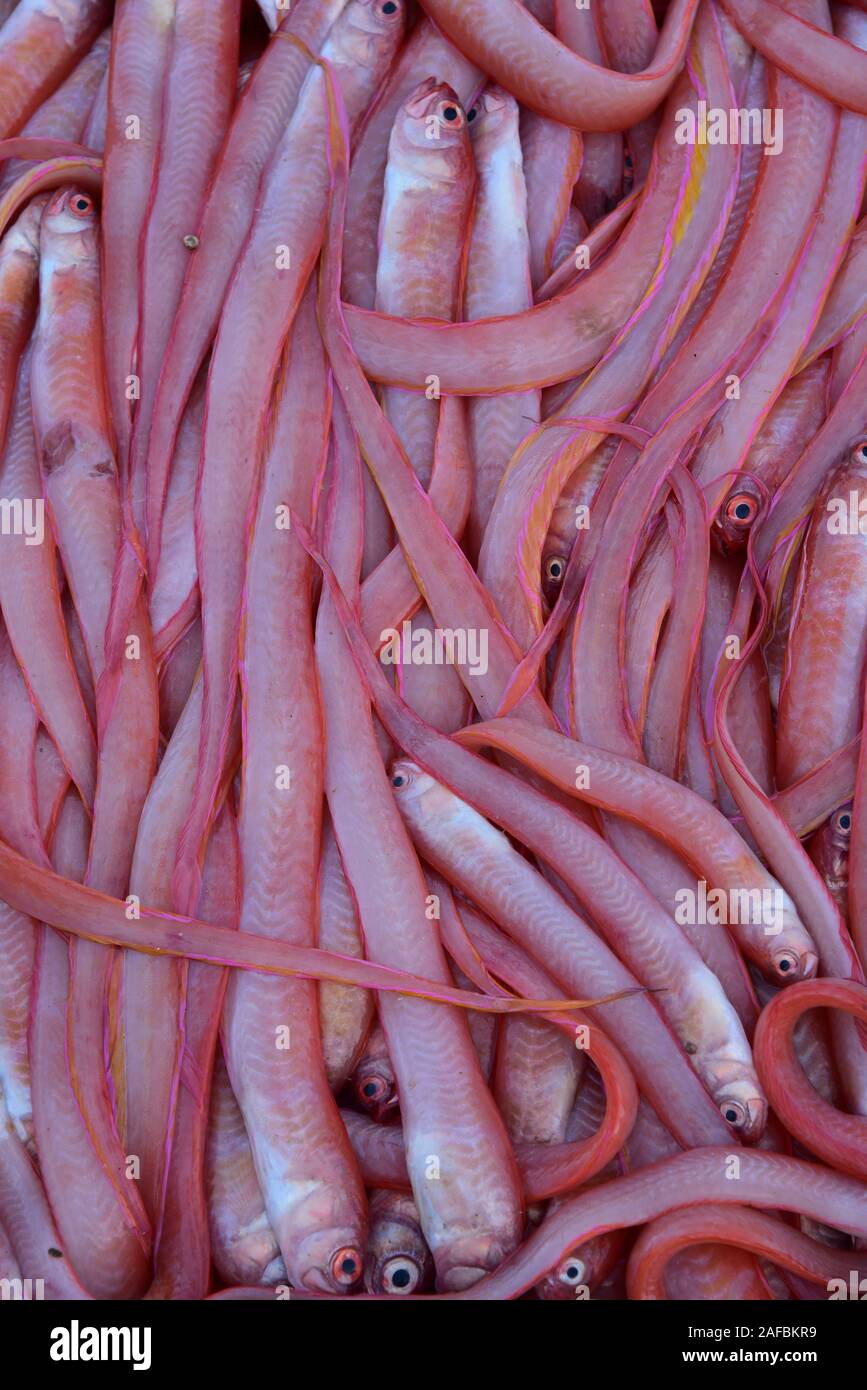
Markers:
point(469, 1260)
point(461, 1277)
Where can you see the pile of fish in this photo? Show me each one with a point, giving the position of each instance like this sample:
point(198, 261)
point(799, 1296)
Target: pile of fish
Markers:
point(433, 573)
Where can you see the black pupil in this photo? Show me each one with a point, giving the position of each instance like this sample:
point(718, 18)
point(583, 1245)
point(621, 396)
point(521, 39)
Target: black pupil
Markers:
point(397, 781)
point(400, 1278)
point(348, 1266)
point(389, 8)
point(571, 1272)
point(844, 822)
point(784, 965)
point(731, 1116)
point(742, 510)
point(450, 114)
point(471, 114)
point(370, 1088)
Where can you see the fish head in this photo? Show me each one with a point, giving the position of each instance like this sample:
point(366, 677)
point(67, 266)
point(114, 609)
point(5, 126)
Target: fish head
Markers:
point(466, 1259)
point(829, 850)
point(734, 521)
point(330, 1259)
point(375, 1085)
point(69, 230)
point(493, 121)
point(365, 31)
point(564, 1281)
point(398, 1261)
point(431, 132)
point(743, 1106)
point(410, 782)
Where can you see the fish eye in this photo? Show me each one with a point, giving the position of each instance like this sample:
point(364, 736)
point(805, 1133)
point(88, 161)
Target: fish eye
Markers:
point(472, 113)
point(400, 777)
point(555, 568)
point(571, 1272)
point(741, 509)
point(389, 8)
point(733, 1113)
point(373, 1089)
point(842, 820)
point(786, 963)
point(400, 1275)
point(450, 113)
point(859, 452)
point(80, 204)
point(345, 1266)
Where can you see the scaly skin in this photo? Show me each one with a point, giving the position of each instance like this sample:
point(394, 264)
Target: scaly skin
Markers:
point(599, 185)
point(630, 35)
point(259, 311)
point(29, 593)
point(39, 46)
point(344, 1013)
point(534, 1080)
point(64, 115)
point(312, 1189)
point(426, 203)
point(553, 341)
point(19, 277)
point(682, 819)
point(704, 1176)
point(551, 158)
point(390, 593)
point(820, 695)
point(662, 1240)
point(154, 991)
point(426, 54)
point(472, 1212)
point(141, 41)
point(28, 1220)
point(508, 43)
point(80, 480)
point(832, 67)
point(90, 915)
point(511, 556)
point(19, 827)
point(257, 126)
point(173, 596)
point(830, 1133)
point(243, 1245)
point(199, 91)
point(109, 1242)
point(498, 282)
point(183, 1250)
point(480, 860)
point(591, 871)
